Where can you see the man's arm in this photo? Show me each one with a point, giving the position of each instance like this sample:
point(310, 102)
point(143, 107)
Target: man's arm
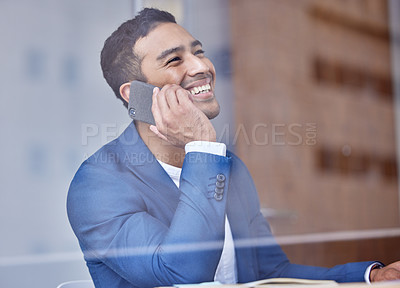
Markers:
point(111, 218)
point(274, 263)
point(271, 260)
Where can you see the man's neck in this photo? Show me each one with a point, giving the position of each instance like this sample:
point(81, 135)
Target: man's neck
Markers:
point(162, 150)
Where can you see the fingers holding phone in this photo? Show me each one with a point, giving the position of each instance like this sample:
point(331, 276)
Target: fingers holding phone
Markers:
point(177, 119)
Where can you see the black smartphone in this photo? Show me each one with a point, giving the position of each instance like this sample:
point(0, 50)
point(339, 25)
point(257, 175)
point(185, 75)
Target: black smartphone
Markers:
point(140, 101)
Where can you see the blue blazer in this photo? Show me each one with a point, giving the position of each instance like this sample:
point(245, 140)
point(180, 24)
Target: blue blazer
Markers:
point(137, 229)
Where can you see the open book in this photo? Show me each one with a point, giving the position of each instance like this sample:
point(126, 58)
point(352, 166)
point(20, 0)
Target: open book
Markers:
point(265, 283)
point(290, 282)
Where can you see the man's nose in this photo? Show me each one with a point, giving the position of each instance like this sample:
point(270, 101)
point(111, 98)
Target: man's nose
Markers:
point(196, 65)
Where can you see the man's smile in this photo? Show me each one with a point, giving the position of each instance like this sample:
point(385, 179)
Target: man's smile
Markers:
point(201, 89)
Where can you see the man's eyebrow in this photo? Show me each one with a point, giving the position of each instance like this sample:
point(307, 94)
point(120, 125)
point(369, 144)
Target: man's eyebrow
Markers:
point(167, 52)
point(195, 43)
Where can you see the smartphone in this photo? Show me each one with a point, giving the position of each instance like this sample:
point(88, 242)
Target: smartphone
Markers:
point(140, 101)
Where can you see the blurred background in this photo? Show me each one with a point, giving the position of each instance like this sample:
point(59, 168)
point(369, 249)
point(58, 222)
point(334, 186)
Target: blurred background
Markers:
point(309, 91)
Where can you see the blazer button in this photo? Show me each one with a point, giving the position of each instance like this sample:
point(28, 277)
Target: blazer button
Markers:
point(221, 177)
point(219, 190)
point(218, 197)
point(220, 184)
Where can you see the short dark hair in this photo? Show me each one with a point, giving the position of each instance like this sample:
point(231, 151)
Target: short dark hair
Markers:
point(119, 62)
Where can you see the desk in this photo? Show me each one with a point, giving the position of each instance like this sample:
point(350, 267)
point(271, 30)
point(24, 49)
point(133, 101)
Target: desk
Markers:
point(392, 284)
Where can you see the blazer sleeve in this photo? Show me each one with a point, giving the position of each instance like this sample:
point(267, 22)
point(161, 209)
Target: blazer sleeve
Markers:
point(114, 226)
point(272, 261)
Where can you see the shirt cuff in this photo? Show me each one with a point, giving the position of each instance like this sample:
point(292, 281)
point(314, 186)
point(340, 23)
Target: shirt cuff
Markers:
point(368, 271)
point(206, 147)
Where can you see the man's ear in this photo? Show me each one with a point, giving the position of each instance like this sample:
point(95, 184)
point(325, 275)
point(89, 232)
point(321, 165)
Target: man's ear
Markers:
point(124, 91)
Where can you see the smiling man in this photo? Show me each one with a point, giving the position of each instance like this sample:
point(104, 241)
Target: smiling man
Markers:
point(172, 59)
point(165, 203)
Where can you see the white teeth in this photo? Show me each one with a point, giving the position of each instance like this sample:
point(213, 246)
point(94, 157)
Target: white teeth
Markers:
point(201, 89)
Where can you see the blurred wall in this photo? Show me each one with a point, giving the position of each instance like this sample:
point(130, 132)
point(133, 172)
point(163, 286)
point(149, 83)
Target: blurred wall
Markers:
point(56, 111)
point(320, 138)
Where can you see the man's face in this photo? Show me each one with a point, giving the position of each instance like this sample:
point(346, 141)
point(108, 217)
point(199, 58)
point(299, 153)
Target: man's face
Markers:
point(170, 55)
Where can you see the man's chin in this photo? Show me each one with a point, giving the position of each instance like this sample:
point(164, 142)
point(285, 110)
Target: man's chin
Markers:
point(211, 114)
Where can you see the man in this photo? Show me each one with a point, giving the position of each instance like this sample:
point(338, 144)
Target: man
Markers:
point(166, 204)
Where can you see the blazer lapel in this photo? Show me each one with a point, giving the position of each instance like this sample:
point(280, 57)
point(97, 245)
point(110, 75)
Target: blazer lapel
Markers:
point(145, 166)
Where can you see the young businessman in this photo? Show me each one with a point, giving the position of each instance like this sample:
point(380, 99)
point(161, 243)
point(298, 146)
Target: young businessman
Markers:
point(167, 204)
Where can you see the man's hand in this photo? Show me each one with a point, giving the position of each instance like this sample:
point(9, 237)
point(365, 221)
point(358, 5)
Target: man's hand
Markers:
point(389, 272)
point(178, 120)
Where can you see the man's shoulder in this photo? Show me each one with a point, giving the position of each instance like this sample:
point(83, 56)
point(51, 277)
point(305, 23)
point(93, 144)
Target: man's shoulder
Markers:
point(108, 154)
point(102, 175)
point(120, 150)
point(99, 164)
